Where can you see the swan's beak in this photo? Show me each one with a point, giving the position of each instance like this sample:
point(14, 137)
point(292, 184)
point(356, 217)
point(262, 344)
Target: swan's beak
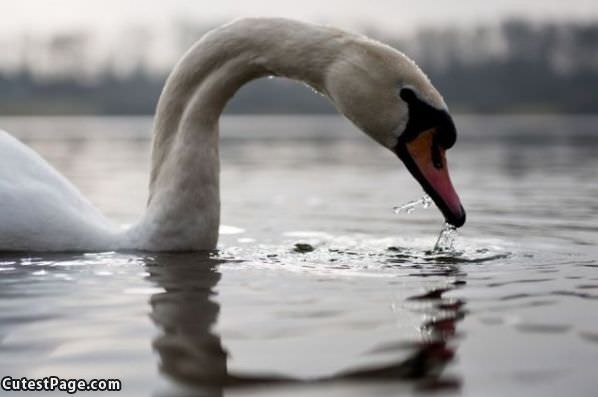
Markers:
point(426, 160)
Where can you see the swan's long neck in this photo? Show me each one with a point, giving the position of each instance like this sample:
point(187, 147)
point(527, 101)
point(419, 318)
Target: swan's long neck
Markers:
point(184, 204)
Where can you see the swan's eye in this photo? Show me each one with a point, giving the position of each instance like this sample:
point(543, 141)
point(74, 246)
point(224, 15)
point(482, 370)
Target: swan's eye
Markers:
point(407, 95)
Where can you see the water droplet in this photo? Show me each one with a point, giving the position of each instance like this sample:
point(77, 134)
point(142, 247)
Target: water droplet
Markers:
point(426, 201)
point(408, 208)
point(446, 239)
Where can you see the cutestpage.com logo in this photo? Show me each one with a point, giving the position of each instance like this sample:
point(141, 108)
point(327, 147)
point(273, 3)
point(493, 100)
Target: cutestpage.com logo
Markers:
point(53, 383)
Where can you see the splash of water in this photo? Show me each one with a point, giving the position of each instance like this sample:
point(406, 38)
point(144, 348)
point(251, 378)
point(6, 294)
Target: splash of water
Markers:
point(424, 202)
point(446, 239)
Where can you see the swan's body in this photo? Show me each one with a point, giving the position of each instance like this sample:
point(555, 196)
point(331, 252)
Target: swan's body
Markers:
point(41, 211)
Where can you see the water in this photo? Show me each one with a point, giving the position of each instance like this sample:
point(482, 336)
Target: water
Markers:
point(446, 239)
point(448, 233)
point(424, 202)
point(316, 289)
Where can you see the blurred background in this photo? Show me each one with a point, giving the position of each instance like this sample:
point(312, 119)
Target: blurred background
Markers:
point(112, 56)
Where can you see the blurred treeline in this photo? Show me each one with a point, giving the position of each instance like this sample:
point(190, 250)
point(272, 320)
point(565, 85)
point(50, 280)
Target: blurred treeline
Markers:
point(517, 66)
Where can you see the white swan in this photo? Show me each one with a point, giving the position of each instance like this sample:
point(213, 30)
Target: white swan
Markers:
point(378, 88)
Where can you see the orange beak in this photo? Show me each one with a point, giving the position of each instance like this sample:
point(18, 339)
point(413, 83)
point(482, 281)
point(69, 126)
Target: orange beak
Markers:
point(426, 160)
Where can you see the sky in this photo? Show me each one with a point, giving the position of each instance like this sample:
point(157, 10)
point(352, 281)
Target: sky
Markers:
point(43, 16)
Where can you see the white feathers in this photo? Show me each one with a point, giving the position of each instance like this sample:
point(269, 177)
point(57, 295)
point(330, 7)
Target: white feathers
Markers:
point(40, 210)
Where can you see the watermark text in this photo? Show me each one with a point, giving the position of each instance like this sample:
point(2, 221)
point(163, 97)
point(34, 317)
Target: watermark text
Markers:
point(52, 383)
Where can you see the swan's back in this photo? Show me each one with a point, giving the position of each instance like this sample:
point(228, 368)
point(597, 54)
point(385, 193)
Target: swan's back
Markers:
point(40, 210)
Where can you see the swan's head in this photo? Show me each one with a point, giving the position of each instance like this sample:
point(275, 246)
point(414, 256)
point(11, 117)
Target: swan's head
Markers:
point(387, 96)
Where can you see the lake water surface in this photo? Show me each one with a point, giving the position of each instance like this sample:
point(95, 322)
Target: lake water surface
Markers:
point(317, 287)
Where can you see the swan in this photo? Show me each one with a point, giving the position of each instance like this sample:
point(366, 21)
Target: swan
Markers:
point(382, 91)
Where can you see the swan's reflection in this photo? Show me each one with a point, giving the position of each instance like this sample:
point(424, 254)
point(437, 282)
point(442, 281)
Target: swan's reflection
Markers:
point(192, 353)
point(185, 313)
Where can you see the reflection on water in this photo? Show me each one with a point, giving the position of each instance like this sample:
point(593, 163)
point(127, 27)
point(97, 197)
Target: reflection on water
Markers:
point(192, 352)
point(92, 311)
point(316, 289)
point(185, 313)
